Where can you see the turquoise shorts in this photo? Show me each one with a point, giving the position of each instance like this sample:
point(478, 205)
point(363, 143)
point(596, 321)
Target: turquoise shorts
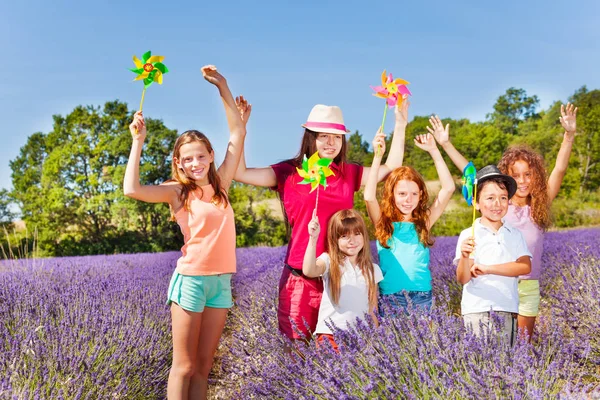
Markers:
point(193, 293)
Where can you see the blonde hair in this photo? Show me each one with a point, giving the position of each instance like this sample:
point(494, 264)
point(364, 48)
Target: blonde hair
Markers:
point(189, 185)
point(340, 224)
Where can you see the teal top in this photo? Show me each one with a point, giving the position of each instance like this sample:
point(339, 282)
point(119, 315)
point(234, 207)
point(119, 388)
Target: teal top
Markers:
point(405, 265)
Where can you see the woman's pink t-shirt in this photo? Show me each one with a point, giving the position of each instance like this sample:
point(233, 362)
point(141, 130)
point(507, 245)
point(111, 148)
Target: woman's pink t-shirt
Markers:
point(299, 204)
point(520, 218)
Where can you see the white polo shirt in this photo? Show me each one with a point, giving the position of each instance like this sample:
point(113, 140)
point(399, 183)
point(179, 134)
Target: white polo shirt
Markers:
point(354, 296)
point(492, 292)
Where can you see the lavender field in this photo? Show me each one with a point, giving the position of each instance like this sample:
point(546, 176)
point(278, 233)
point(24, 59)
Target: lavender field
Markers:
point(98, 328)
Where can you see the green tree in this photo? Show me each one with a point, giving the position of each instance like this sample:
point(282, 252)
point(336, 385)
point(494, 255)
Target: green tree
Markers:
point(513, 107)
point(68, 183)
point(6, 214)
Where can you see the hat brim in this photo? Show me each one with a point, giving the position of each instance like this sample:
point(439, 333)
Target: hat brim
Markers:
point(509, 181)
point(328, 130)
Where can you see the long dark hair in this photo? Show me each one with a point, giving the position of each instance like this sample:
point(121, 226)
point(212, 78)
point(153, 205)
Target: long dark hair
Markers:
point(189, 185)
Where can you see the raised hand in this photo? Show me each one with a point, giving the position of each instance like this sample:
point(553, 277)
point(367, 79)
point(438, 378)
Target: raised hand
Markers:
point(244, 108)
point(313, 226)
point(441, 134)
point(401, 111)
point(379, 143)
point(425, 142)
point(210, 73)
point(138, 126)
point(568, 119)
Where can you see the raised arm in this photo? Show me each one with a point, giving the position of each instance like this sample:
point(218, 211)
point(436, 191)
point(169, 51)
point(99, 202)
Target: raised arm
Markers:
point(237, 129)
point(311, 267)
point(442, 136)
point(396, 154)
point(568, 120)
point(427, 143)
point(370, 193)
point(131, 183)
point(252, 176)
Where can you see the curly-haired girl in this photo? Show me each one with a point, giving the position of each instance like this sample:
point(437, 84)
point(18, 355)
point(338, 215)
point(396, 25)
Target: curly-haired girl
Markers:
point(529, 209)
point(403, 223)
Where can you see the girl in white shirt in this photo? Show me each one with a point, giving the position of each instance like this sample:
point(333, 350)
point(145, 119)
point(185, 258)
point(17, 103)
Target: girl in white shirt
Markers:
point(350, 277)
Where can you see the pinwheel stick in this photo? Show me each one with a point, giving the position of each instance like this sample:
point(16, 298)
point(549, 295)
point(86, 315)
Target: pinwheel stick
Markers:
point(385, 108)
point(474, 202)
point(142, 102)
point(317, 202)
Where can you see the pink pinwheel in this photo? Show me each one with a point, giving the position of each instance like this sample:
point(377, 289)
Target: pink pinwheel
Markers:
point(391, 89)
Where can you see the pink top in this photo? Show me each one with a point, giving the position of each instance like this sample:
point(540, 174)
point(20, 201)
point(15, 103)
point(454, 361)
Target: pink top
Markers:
point(299, 204)
point(520, 218)
point(209, 236)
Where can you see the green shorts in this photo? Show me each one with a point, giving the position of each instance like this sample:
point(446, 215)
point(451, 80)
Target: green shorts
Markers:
point(529, 297)
point(193, 293)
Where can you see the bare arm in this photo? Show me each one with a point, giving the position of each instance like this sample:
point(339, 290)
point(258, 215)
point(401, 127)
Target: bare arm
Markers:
point(237, 129)
point(569, 122)
point(520, 267)
point(442, 136)
point(427, 143)
point(311, 267)
point(131, 183)
point(463, 270)
point(370, 193)
point(396, 154)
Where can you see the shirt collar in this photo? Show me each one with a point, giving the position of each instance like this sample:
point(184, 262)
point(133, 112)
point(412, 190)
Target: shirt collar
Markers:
point(506, 226)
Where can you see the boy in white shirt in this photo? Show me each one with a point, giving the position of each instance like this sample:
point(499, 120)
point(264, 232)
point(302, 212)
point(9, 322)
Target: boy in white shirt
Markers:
point(488, 265)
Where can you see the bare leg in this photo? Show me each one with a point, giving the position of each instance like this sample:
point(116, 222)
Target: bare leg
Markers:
point(526, 325)
point(186, 333)
point(213, 322)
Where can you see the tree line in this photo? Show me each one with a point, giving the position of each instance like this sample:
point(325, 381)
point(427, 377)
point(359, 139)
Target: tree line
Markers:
point(67, 183)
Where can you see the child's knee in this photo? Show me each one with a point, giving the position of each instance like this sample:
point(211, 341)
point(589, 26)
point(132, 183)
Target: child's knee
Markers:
point(203, 368)
point(184, 369)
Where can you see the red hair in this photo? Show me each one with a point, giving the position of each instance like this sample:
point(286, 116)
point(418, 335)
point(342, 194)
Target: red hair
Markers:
point(390, 212)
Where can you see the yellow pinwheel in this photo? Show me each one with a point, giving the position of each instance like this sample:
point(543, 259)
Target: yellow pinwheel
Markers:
point(149, 69)
point(315, 171)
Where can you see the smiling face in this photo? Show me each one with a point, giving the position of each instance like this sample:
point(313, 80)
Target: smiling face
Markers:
point(328, 145)
point(521, 172)
point(492, 202)
point(194, 160)
point(406, 197)
point(351, 243)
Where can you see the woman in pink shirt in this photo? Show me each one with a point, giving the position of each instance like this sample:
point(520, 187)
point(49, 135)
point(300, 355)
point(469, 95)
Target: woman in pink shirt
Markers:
point(529, 208)
point(325, 133)
point(200, 288)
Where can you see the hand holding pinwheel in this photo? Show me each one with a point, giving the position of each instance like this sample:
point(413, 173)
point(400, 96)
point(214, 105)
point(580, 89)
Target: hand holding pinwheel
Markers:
point(149, 69)
point(315, 172)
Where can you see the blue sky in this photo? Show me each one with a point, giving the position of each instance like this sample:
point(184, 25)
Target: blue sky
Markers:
point(286, 57)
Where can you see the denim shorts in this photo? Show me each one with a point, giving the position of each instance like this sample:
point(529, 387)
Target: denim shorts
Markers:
point(400, 301)
point(193, 293)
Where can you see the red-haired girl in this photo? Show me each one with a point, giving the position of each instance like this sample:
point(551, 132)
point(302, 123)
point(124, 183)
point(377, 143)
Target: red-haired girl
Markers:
point(403, 223)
